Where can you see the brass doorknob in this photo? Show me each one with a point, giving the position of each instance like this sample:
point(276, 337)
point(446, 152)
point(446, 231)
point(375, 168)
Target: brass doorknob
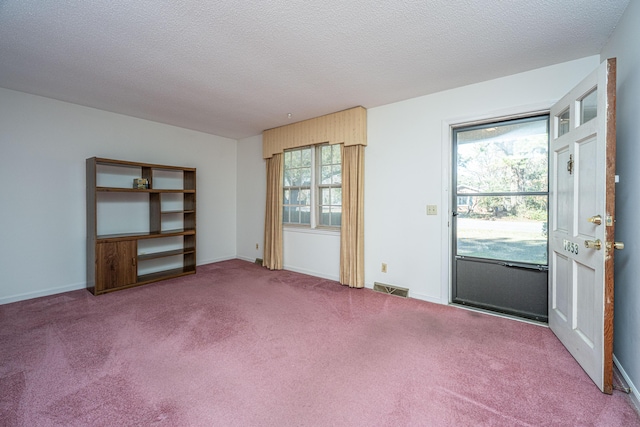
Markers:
point(615, 245)
point(596, 219)
point(593, 244)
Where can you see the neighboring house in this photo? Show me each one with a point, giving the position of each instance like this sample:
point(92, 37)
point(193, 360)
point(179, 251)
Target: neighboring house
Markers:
point(466, 202)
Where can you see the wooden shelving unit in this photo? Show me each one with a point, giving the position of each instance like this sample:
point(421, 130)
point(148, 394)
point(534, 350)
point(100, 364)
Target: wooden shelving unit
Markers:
point(138, 236)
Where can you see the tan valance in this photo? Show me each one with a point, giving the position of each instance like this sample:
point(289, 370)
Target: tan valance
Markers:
point(348, 127)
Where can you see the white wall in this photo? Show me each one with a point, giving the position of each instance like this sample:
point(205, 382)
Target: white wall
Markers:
point(251, 198)
point(623, 45)
point(407, 167)
point(43, 147)
point(314, 252)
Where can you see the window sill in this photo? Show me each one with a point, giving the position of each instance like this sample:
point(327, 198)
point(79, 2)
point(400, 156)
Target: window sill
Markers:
point(308, 230)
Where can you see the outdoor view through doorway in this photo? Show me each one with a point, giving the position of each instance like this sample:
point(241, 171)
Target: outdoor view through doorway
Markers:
point(500, 211)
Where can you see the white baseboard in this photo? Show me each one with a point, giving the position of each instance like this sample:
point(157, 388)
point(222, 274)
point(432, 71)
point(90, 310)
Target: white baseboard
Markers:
point(74, 287)
point(425, 298)
point(211, 261)
point(42, 293)
point(244, 258)
point(635, 396)
point(312, 273)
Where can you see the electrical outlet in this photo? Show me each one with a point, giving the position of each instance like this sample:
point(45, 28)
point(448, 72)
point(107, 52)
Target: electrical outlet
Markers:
point(432, 209)
point(384, 267)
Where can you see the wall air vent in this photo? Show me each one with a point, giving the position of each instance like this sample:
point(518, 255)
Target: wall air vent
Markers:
point(391, 290)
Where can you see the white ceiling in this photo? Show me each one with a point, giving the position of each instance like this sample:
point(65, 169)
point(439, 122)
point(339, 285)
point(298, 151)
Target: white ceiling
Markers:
point(235, 68)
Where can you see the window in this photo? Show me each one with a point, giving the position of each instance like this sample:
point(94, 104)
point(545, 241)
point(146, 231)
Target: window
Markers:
point(313, 186)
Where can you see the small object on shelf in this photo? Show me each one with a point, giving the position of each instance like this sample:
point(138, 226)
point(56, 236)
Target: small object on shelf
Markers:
point(141, 183)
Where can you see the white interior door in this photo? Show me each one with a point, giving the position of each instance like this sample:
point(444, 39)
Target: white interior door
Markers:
point(582, 217)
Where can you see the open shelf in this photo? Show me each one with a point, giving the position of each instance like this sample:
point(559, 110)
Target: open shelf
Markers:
point(166, 209)
point(143, 235)
point(141, 190)
point(164, 254)
point(177, 212)
point(167, 274)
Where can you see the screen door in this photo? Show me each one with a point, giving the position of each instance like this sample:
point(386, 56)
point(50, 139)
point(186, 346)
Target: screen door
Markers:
point(500, 210)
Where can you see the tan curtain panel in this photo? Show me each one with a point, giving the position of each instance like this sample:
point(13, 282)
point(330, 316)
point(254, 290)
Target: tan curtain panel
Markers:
point(348, 127)
point(273, 214)
point(352, 231)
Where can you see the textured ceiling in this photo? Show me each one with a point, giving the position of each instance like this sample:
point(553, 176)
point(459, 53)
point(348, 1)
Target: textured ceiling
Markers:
point(235, 68)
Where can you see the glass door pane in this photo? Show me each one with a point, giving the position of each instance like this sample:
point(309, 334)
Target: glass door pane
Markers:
point(501, 191)
point(510, 228)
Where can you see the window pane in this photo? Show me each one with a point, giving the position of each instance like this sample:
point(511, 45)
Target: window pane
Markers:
point(325, 154)
point(564, 121)
point(294, 215)
point(330, 216)
point(335, 158)
point(336, 174)
point(325, 196)
point(285, 214)
point(589, 106)
point(326, 175)
point(306, 157)
point(325, 216)
point(336, 196)
point(297, 176)
point(304, 197)
point(503, 158)
point(305, 215)
point(305, 177)
point(297, 158)
point(336, 216)
point(505, 228)
point(294, 197)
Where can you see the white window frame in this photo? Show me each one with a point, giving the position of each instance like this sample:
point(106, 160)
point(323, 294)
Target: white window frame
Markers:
point(315, 187)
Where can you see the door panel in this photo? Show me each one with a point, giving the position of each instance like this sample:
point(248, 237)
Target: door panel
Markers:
point(498, 287)
point(559, 294)
point(116, 264)
point(584, 289)
point(582, 205)
point(586, 155)
point(560, 190)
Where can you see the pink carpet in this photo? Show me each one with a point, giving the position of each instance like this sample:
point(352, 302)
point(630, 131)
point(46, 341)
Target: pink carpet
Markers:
point(237, 345)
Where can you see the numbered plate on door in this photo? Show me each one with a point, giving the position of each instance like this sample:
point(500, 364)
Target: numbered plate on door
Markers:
point(570, 247)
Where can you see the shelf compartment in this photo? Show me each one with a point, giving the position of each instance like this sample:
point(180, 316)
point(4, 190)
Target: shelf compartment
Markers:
point(103, 161)
point(177, 212)
point(166, 274)
point(167, 179)
point(143, 235)
point(142, 190)
point(163, 254)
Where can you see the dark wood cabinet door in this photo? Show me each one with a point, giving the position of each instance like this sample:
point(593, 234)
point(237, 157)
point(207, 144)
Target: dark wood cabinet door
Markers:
point(115, 265)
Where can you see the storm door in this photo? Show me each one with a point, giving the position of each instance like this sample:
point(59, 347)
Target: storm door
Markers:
point(500, 210)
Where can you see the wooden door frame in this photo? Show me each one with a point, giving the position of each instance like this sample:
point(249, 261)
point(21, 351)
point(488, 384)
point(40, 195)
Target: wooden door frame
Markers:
point(610, 230)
